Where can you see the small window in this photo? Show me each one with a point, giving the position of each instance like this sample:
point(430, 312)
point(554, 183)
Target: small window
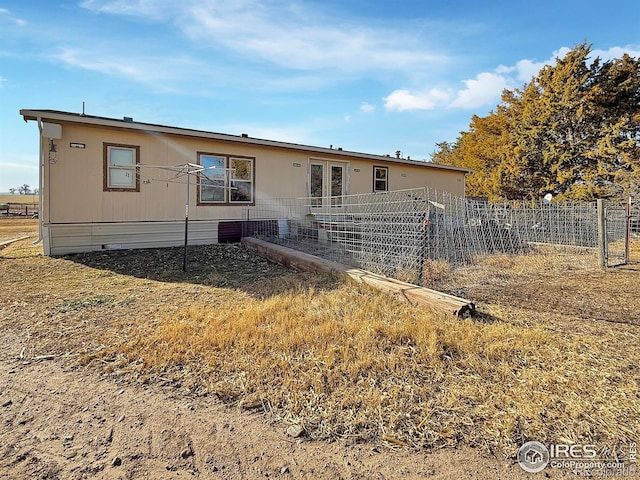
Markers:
point(380, 179)
point(120, 168)
point(225, 180)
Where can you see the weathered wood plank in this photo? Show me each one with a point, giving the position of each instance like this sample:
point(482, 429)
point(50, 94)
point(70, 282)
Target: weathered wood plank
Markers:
point(14, 240)
point(409, 292)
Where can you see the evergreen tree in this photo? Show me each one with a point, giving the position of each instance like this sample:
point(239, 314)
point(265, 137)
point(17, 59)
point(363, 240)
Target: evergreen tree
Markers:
point(573, 131)
point(617, 102)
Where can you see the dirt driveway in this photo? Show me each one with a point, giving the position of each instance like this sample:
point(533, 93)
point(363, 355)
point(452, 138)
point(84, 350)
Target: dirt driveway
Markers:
point(61, 422)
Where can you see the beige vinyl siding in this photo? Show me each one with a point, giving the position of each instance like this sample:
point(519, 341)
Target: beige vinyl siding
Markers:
point(402, 177)
point(75, 179)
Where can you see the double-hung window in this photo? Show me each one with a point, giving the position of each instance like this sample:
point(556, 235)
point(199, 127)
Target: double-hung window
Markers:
point(380, 179)
point(226, 180)
point(121, 167)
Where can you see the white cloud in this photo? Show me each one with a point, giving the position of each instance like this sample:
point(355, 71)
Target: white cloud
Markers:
point(294, 45)
point(401, 100)
point(296, 38)
point(527, 69)
point(88, 60)
point(616, 52)
point(287, 34)
point(485, 89)
point(159, 72)
point(2, 80)
point(367, 107)
point(154, 10)
point(17, 21)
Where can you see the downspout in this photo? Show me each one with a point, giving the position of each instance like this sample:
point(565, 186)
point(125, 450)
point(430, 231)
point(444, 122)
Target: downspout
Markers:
point(464, 184)
point(40, 183)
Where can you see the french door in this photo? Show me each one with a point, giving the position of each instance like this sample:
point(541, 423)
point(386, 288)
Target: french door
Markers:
point(327, 183)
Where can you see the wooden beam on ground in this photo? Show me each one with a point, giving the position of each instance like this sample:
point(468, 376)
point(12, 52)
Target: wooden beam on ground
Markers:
point(408, 292)
point(14, 240)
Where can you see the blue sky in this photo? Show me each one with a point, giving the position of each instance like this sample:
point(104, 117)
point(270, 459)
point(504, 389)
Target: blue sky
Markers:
point(369, 76)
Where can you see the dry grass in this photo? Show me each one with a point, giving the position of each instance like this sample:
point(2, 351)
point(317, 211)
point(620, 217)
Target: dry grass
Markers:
point(567, 283)
point(21, 199)
point(350, 362)
point(17, 227)
point(345, 361)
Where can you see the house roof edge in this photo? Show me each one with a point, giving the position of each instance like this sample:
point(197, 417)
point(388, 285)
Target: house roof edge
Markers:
point(128, 123)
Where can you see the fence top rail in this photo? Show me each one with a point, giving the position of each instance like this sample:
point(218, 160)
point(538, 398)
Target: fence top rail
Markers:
point(426, 194)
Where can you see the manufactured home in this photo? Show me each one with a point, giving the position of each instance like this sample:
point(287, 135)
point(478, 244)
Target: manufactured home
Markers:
point(118, 183)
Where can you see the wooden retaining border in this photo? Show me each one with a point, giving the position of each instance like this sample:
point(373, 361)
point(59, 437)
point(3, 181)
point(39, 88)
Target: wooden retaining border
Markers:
point(409, 292)
point(14, 240)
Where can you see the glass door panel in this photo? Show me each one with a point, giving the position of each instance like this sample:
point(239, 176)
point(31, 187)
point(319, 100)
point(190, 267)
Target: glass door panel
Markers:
point(337, 185)
point(316, 184)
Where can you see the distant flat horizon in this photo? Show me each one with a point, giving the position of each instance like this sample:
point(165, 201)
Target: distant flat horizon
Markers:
point(17, 195)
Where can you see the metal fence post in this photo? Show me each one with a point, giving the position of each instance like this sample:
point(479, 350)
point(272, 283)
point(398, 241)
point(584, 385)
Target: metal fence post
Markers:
point(627, 238)
point(602, 234)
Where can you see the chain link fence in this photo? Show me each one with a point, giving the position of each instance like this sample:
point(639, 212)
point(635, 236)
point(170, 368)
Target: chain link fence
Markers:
point(633, 249)
point(615, 238)
point(622, 233)
point(396, 233)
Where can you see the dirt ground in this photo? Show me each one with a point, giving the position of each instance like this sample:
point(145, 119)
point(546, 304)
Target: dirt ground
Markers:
point(62, 420)
point(57, 421)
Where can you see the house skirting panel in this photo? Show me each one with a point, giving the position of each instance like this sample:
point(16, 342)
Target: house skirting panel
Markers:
point(87, 237)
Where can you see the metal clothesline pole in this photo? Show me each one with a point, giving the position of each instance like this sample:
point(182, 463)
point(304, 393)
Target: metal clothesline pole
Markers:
point(186, 225)
point(187, 169)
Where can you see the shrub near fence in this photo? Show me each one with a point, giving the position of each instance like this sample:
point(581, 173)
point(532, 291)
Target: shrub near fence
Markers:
point(395, 233)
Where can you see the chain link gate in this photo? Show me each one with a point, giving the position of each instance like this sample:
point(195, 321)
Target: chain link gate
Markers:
point(633, 244)
point(613, 233)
